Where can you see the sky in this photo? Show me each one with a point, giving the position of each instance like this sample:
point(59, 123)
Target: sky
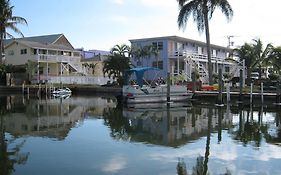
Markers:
point(101, 24)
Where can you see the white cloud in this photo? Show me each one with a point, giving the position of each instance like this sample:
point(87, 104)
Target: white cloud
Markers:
point(117, 163)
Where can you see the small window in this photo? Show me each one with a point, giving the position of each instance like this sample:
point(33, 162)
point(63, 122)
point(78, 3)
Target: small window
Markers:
point(160, 45)
point(35, 51)
point(23, 51)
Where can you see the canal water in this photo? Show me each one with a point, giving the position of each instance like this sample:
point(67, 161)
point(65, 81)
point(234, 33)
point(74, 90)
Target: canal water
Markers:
point(95, 135)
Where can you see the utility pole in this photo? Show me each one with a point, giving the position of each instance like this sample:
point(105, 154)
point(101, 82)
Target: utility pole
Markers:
point(230, 43)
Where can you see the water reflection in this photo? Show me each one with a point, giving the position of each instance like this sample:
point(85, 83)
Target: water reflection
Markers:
point(180, 127)
point(52, 118)
point(172, 126)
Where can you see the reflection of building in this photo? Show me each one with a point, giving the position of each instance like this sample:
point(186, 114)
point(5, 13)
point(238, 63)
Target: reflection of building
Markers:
point(173, 127)
point(52, 117)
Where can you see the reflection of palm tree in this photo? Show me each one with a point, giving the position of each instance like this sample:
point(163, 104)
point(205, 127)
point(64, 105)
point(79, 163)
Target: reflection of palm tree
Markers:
point(8, 157)
point(181, 168)
point(250, 130)
point(119, 125)
point(201, 167)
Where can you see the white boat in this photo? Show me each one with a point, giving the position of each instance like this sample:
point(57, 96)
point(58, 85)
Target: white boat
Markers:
point(62, 91)
point(152, 93)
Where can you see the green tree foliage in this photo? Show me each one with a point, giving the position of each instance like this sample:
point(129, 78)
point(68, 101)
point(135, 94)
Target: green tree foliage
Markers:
point(8, 21)
point(116, 64)
point(202, 11)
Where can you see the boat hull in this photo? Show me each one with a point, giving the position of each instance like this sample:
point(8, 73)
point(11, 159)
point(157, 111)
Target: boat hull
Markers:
point(135, 94)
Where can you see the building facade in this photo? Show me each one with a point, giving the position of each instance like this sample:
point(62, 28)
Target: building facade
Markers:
point(50, 58)
point(182, 56)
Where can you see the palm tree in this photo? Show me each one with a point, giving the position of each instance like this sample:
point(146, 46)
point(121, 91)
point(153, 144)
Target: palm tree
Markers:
point(202, 11)
point(245, 52)
point(117, 63)
point(275, 57)
point(8, 21)
point(261, 55)
point(120, 49)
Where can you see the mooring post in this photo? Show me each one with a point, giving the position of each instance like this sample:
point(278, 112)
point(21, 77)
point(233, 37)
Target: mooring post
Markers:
point(278, 93)
point(262, 92)
point(168, 89)
point(228, 92)
point(220, 99)
point(251, 93)
point(241, 86)
point(193, 77)
point(22, 88)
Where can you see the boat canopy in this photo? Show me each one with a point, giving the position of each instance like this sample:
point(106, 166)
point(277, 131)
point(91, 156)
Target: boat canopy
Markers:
point(139, 72)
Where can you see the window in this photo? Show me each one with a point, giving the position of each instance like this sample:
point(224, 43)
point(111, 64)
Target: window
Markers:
point(23, 51)
point(227, 69)
point(158, 64)
point(35, 51)
point(160, 45)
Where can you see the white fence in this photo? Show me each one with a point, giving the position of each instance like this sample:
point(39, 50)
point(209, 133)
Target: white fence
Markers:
point(74, 80)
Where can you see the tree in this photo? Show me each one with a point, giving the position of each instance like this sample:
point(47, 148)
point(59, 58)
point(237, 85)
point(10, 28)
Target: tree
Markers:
point(261, 55)
point(275, 57)
point(8, 21)
point(202, 11)
point(245, 52)
point(115, 65)
point(120, 49)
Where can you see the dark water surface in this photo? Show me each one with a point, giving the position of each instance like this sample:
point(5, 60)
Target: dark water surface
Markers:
point(94, 135)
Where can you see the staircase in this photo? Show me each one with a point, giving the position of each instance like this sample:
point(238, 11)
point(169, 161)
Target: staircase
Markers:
point(199, 67)
point(79, 68)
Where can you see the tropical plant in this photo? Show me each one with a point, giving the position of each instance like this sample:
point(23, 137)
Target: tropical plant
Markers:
point(115, 65)
point(275, 57)
point(245, 53)
point(8, 21)
point(261, 55)
point(90, 66)
point(122, 49)
point(145, 52)
point(202, 11)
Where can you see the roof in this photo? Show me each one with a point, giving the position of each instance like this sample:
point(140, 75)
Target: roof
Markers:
point(178, 38)
point(37, 45)
point(46, 39)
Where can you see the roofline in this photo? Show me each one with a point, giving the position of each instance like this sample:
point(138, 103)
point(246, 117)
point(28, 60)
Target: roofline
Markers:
point(174, 37)
point(14, 41)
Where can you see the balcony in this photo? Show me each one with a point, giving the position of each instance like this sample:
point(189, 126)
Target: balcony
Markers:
point(55, 58)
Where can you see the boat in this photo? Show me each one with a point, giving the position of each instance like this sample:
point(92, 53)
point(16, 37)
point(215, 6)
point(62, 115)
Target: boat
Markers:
point(61, 91)
point(140, 91)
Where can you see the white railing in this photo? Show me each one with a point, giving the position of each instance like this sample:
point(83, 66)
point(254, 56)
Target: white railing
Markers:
point(72, 79)
point(56, 58)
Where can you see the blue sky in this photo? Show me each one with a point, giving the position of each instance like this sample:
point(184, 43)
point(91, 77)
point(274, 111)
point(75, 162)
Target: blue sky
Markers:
point(100, 24)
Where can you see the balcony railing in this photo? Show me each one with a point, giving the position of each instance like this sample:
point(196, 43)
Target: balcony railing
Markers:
point(56, 58)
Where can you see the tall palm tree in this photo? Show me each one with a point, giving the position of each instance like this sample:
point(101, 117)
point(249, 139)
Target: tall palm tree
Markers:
point(8, 21)
point(202, 11)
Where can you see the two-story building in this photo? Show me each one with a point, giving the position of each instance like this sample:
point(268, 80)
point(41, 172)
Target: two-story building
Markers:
point(182, 56)
point(50, 58)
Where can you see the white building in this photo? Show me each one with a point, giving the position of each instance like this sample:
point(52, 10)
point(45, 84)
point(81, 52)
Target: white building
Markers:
point(182, 56)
